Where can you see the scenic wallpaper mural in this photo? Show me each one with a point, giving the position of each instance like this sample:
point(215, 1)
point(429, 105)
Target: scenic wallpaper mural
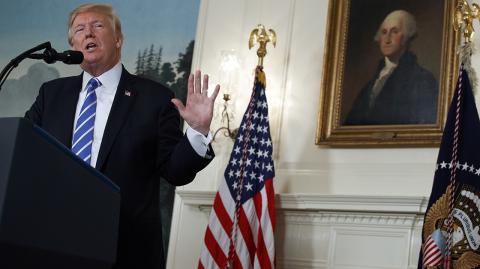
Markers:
point(158, 44)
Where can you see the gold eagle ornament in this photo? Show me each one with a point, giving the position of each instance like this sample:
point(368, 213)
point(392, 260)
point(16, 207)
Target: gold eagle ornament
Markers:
point(261, 36)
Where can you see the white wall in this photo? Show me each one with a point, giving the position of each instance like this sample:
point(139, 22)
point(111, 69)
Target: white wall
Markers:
point(294, 70)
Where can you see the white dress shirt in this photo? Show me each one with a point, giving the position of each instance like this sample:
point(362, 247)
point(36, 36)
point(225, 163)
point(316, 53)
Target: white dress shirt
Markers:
point(384, 74)
point(105, 95)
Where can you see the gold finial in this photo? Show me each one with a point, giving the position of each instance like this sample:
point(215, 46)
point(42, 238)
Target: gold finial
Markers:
point(261, 36)
point(463, 20)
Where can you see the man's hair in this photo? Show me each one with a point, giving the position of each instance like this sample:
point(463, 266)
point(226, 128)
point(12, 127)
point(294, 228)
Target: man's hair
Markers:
point(100, 8)
point(409, 25)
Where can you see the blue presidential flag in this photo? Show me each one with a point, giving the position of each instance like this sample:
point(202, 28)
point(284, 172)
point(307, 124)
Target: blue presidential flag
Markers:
point(451, 236)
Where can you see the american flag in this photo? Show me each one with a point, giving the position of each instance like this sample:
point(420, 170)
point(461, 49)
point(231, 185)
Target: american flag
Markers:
point(240, 233)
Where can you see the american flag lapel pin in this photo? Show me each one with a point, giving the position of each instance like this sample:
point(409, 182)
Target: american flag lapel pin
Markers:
point(128, 93)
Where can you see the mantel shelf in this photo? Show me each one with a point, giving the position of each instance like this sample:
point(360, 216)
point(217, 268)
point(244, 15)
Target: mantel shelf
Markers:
point(325, 202)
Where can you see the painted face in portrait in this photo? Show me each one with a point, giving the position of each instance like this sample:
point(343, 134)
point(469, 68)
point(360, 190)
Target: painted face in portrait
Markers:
point(94, 35)
point(392, 37)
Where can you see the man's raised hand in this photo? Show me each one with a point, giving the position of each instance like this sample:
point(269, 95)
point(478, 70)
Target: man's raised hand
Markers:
point(198, 111)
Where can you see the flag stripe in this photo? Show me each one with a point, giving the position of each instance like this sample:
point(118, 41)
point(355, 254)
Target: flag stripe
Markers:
point(271, 200)
point(257, 201)
point(215, 250)
point(429, 245)
point(266, 222)
point(223, 239)
point(244, 227)
point(431, 256)
point(434, 260)
point(237, 263)
point(262, 253)
point(269, 221)
point(222, 215)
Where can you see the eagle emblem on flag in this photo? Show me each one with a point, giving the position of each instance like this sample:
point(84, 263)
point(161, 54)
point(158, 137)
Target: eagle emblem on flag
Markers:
point(465, 236)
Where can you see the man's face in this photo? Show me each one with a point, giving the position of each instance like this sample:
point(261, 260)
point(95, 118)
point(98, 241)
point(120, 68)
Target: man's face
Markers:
point(392, 43)
point(94, 36)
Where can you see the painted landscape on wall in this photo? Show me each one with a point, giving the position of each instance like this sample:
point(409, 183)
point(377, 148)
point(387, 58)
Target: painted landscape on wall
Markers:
point(158, 44)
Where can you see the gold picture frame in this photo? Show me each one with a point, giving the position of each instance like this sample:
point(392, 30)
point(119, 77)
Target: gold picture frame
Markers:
point(350, 58)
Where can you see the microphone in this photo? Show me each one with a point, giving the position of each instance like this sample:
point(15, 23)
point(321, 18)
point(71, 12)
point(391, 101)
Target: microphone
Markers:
point(50, 56)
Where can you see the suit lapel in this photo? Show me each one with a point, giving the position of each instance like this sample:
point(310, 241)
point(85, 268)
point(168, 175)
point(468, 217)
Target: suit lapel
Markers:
point(68, 106)
point(122, 102)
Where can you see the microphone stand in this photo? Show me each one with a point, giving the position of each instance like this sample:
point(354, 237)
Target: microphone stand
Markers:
point(14, 62)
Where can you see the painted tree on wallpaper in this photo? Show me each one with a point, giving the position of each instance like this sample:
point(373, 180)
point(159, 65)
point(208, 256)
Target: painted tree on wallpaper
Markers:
point(175, 76)
point(149, 65)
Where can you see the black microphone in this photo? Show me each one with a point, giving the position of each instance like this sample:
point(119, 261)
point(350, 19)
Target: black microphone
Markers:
point(50, 56)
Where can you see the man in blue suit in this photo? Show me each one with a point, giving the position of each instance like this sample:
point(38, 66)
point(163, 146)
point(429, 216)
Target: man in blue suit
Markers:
point(135, 135)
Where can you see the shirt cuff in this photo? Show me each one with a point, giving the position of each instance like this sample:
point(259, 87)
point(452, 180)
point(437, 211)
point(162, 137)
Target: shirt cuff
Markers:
point(198, 141)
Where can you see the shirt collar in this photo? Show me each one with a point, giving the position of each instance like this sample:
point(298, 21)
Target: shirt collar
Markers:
point(109, 79)
point(389, 64)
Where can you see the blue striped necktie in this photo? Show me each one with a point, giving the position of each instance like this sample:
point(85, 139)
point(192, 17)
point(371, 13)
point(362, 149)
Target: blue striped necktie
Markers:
point(83, 133)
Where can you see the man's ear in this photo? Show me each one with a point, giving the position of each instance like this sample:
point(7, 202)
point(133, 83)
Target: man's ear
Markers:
point(119, 41)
